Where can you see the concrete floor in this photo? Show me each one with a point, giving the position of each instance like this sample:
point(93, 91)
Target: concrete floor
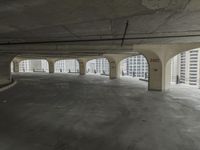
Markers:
point(68, 112)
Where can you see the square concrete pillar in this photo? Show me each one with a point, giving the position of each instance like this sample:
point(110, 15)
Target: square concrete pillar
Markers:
point(82, 67)
point(5, 71)
point(51, 66)
point(114, 70)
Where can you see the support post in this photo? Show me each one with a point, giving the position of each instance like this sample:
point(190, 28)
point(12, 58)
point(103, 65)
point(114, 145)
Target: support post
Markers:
point(51, 66)
point(155, 71)
point(5, 71)
point(82, 67)
point(114, 70)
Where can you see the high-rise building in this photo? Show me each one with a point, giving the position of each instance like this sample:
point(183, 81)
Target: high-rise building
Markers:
point(36, 65)
point(186, 66)
point(102, 66)
point(99, 66)
point(70, 65)
point(24, 66)
point(175, 68)
point(91, 66)
point(137, 66)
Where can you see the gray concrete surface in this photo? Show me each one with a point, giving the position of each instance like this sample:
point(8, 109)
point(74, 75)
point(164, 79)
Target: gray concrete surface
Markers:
point(47, 20)
point(71, 112)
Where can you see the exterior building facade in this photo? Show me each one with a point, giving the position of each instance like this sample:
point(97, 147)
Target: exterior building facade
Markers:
point(67, 66)
point(98, 66)
point(33, 66)
point(175, 69)
point(102, 66)
point(186, 66)
point(24, 66)
point(136, 66)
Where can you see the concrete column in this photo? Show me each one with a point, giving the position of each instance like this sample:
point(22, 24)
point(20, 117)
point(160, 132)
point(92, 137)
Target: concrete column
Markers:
point(5, 72)
point(155, 82)
point(114, 70)
point(15, 66)
point(82, 67)
point(51, 66)
point(166, 75)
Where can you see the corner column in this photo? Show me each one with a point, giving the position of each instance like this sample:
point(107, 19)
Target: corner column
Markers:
point(5, 72)
point(156, 72)
point(82, 67)
point(114, 70)
point(51, 66)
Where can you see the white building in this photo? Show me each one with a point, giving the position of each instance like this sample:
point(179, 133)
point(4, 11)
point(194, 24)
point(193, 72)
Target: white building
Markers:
point(98, 66)
point(102, 66)
point(24, 66)
point(137, 66)
point(187, 65)
point(175, 68)
point(35, 65)
point(67, 66)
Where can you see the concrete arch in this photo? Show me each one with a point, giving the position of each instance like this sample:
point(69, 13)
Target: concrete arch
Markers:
point(168, 52)
point(155, 77)
point(169, 73)
point(158, 56)
point(18, 58)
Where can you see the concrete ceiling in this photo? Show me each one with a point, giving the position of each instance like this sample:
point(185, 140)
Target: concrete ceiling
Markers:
point(63, 20)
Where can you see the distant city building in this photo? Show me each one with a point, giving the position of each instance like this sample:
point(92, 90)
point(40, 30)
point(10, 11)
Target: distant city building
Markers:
point(67, 66)
point(186, 66)
point(24, 66)
point(136, 66)
point(175, 68)
point(91, 66)
point(102, 66)
point(99, 66)
point(36, 65)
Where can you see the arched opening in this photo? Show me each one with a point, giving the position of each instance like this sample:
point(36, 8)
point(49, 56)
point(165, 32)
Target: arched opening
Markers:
point(99, 66)
point(135, 67)
point(34, 65)
point(67, 66)
point(185, 69)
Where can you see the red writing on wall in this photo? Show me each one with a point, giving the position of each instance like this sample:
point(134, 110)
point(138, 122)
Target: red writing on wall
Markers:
point(154, 60)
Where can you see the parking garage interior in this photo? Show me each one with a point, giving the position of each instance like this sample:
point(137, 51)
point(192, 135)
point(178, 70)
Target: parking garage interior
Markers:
point(100, 75)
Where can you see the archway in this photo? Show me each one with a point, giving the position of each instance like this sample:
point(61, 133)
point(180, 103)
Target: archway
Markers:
point(67, 66)
point(185, 69)
point(99, 66)
point(34, 65)
point(134, 66)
